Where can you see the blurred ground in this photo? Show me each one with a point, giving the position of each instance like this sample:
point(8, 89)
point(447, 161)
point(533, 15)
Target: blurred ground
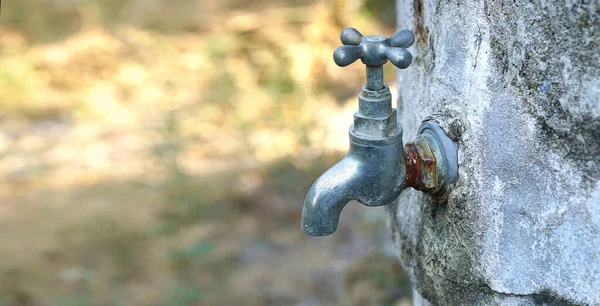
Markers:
point(158, 153)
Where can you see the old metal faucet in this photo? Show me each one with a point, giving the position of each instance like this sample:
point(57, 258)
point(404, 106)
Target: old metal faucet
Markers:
point(378, 167)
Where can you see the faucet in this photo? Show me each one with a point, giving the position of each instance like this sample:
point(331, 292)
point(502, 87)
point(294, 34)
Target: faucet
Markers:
point(378, 167)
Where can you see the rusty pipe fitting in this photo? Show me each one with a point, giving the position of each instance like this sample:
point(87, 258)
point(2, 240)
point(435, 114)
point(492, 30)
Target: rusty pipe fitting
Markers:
point(431, 161)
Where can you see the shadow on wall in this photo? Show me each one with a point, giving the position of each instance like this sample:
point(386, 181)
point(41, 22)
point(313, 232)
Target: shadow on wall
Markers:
point(155, 154)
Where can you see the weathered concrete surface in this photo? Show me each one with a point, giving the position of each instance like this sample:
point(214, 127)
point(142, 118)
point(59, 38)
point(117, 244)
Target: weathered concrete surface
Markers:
point(518, 85)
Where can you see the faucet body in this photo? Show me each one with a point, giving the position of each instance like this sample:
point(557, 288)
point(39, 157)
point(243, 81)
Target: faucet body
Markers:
point(378, 167)
point(372, 173)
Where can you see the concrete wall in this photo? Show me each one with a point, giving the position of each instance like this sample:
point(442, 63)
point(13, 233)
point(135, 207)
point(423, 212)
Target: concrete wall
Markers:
point(517, 83)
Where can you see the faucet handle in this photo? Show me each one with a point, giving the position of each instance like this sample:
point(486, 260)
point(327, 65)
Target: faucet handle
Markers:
point(374, 50)
point(350, 36)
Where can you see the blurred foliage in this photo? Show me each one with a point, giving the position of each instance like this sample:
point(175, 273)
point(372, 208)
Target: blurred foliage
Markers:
point(157, 152)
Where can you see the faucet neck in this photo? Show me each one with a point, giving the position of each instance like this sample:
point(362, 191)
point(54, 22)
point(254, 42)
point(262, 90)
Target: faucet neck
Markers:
point(375, 116)
point(375, 78)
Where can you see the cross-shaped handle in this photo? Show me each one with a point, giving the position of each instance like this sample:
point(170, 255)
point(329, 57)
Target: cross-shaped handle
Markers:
point(374, 50)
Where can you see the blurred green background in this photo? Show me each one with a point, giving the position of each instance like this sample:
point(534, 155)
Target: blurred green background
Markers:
point(158, 153)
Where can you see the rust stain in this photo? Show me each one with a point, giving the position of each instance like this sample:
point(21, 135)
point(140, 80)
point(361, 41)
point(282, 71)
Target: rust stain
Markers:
point(421, 168)
point(428, 165)
point(413, 167)
point(419, 18)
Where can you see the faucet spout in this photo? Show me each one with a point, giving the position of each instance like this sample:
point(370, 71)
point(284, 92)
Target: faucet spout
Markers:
point(371, 173)
point(328, 196)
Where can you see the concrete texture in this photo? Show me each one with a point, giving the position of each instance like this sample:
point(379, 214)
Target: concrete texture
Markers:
point(517, 84)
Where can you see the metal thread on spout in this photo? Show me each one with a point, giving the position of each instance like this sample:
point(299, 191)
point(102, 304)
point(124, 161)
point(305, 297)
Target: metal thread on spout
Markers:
point(375, 78)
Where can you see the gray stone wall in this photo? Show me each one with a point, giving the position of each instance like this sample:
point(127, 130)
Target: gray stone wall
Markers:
point(517, 84)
